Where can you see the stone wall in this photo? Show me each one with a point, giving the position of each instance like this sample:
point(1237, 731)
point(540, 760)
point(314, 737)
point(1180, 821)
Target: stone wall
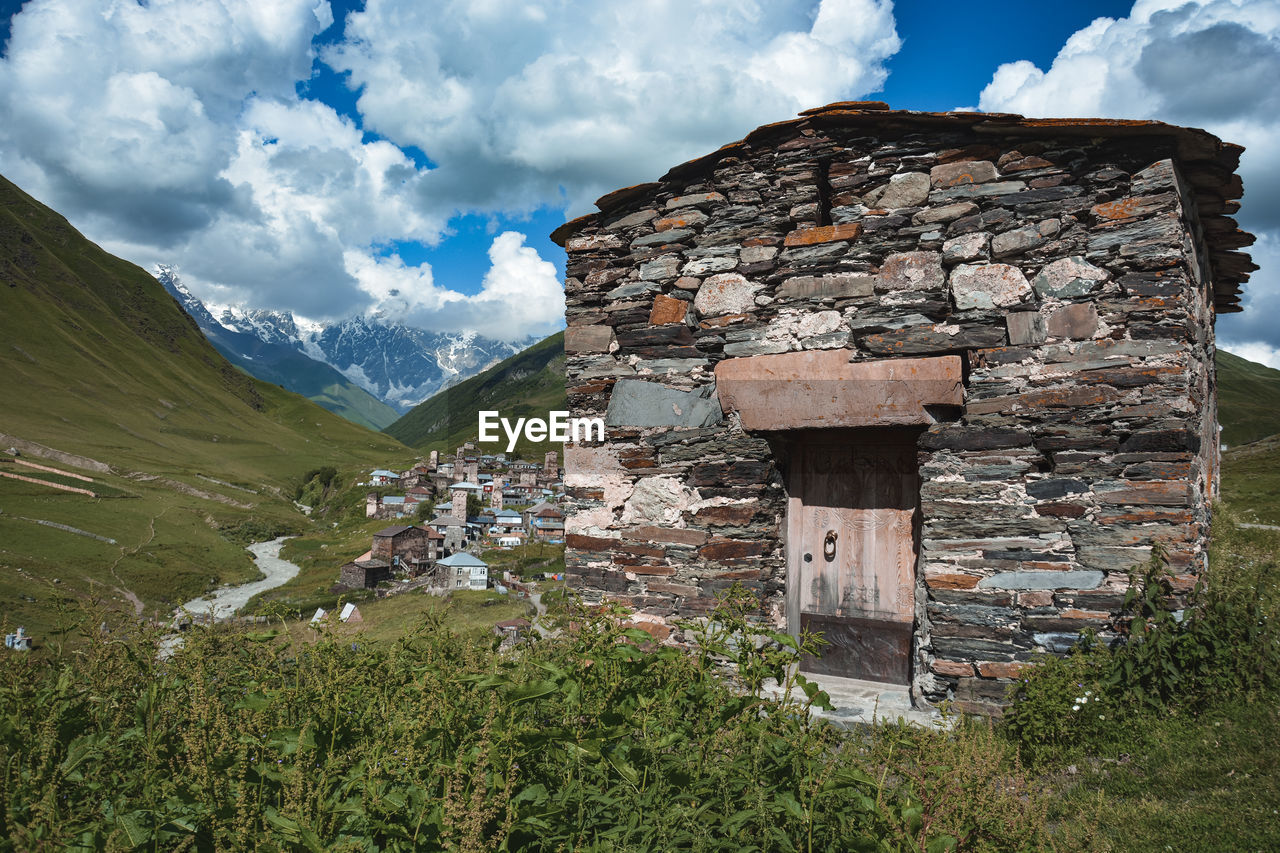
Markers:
point(1068, 268)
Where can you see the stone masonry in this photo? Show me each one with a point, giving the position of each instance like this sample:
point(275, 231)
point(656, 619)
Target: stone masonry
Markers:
point(1072, 269)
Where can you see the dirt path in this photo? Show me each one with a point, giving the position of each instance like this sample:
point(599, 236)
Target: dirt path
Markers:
point(227, 600)
point(129, 595)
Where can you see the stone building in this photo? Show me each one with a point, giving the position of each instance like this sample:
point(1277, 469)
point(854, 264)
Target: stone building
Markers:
point(406, 547)
point(930, 383)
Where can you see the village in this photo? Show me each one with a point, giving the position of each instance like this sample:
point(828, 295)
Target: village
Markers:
point(446, 513)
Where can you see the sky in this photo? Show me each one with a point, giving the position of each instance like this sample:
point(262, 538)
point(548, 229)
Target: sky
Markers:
point(409, 158)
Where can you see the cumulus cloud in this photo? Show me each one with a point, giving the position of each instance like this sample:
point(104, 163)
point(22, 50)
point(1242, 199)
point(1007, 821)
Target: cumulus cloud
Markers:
point(1207, 63)
point(519, 102)
point(172, 131)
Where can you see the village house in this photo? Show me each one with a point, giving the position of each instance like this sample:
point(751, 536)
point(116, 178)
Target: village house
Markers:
point(383, 477)
point(929, 383)
point(462, 571)
point(408, 549)
point(366, 572)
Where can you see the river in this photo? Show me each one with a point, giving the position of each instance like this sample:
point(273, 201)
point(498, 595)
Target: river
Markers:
point(225, 601)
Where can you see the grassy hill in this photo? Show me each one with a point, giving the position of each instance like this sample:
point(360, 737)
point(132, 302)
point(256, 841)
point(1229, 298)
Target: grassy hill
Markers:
point(98, 363)
point(1248, 399)
point(528, 384)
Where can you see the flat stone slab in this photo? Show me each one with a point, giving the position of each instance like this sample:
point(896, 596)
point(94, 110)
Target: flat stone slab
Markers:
point(637, 403)
point(858, 702)
point(822, 388)
point(1042, 580)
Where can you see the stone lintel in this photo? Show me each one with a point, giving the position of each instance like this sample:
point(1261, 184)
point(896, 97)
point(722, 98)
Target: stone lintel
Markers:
point(807, 390)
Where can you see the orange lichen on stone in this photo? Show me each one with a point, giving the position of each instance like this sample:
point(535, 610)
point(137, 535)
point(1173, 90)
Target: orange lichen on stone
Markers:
point(823, 234)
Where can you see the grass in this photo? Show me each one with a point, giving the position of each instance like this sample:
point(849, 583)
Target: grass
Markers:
point(1210, 782)
point(97, 360)
point(529, 384)
point(1251, 480)
point(470, 613)
point(1248, 399)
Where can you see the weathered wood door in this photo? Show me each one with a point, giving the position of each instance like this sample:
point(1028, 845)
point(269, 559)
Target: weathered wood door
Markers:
point(851, 547)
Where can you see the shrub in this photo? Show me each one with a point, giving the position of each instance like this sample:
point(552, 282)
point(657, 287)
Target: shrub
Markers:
point(1223, 646)
point(594, 740)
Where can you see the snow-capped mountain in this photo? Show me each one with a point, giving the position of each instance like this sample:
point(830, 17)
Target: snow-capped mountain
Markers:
point(398, 364)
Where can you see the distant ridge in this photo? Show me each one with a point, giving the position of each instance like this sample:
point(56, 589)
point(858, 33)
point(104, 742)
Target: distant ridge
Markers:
point(283, 364)
point(1248, 399)
point(528, 384)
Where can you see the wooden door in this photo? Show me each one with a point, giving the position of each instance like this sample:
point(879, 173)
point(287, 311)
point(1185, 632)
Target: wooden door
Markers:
point(851, 546)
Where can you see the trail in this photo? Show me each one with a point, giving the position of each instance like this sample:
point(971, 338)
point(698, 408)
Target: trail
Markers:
point(129, 594)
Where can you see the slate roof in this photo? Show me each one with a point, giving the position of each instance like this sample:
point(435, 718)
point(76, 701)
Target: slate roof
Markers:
point(1205, 161)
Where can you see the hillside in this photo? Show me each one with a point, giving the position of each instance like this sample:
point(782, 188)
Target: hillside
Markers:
point(1248, 399)
point(528, 384)
point(98, 363)
point(283, 365)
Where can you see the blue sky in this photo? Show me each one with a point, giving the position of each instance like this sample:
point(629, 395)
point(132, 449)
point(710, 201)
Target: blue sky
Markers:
point(411, 158)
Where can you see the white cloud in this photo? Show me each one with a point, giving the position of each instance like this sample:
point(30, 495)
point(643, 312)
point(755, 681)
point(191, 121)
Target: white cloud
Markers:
point(518, 102)
point(1207, 63)
point(171, 131)
point(521, 294)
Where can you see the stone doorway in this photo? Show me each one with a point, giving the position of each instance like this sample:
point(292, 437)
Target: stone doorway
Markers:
point(852, 540)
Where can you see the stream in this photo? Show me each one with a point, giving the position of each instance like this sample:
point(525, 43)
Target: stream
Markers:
point(225, 601)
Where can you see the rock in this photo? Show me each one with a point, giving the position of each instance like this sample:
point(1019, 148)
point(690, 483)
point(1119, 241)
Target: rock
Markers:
point(667, 310)
point(661, 268)
point(702, 200)
point(1068, 278)
point(944, 213)
point(913, 271)
point(963, 172)
point(1042, 580)
point(817, 323)
point(823, 234)
point(757, 254)
point(637, 403)
point(1021, 239)
point(630, 289)
point(966, 247)
point(631, 220)
point(988, 286)
point(1074, 322)
point(905, 189)
point(726, 293)
point(682, 219)
point(755, 347)
point(703, 266)
point(838, 285)
point(658, 238)
point(1025, 328)
point(657, 500)
point(593, 243)
point(589, 339)
point(999, 188)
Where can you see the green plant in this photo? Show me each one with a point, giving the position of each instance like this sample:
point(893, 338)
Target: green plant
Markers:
point(1061, 707)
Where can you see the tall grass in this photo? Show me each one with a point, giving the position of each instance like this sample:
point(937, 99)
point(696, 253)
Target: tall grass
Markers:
point(595, 741)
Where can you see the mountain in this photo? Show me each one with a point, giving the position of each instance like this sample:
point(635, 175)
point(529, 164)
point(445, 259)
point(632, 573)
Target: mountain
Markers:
point(270, 354)
point(104, 378)
point(399, 365)
point(1248, 399)
point(528, 384)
